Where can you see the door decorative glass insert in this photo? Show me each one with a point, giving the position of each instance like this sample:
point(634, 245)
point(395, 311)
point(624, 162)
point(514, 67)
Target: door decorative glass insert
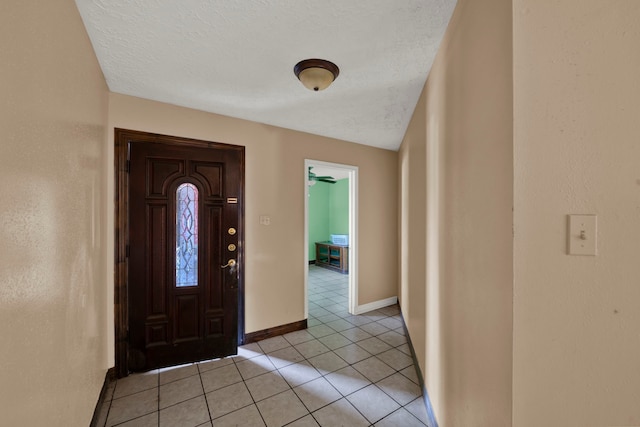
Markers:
point(187, 235)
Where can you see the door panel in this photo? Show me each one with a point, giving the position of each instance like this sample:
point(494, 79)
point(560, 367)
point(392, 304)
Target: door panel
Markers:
point(183, 306)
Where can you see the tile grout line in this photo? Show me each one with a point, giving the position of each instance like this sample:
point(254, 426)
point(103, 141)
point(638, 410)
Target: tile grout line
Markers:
point(244, 382)
point(158, 397)
point(204, 394)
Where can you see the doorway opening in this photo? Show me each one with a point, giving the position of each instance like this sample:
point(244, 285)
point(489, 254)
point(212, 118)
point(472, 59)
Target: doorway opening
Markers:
point(342, 255)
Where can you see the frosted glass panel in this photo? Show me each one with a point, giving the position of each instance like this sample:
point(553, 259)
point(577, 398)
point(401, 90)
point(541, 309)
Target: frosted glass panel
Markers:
point(187, 235)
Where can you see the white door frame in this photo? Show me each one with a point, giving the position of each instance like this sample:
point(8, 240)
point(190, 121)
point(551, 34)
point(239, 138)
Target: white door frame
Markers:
point(353, 232)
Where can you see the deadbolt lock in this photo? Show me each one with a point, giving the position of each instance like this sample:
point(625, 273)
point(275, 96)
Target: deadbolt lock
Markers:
point(232, 231)
point(231, 247)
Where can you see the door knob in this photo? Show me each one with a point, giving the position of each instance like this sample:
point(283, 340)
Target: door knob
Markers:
point(230, 263)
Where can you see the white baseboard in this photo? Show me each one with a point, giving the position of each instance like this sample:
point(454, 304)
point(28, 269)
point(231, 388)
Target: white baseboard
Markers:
point(376, 305)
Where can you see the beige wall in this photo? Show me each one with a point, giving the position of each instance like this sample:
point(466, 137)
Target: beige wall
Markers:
point(577, 150)
point(412, 228)
point(461, 133)
point(53, 113)
point(275, 179)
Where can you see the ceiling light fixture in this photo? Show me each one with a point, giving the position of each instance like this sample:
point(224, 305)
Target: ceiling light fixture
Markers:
point(316, 74)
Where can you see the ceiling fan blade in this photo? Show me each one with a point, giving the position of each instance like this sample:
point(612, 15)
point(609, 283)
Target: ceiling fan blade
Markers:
point(314, 177)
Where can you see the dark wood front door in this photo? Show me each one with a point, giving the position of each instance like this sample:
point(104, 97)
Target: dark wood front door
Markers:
point(185, 234)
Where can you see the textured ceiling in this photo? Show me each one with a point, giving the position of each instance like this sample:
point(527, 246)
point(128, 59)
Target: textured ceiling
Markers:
point(236, 58)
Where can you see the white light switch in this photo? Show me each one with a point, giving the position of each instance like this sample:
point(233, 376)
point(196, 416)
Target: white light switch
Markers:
point(582, 236)
point(265, 220)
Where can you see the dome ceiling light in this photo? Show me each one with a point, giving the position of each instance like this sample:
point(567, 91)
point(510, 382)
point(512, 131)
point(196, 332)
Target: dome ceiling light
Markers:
point(316, 74)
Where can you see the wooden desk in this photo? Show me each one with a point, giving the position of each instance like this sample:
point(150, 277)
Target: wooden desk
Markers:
point(334, 257)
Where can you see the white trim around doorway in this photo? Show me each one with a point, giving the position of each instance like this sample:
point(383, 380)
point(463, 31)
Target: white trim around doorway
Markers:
point(353, 232)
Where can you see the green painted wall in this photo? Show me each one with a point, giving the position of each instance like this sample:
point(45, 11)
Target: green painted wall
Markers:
point(339, 207)
point(318, 215)
point(328, 212)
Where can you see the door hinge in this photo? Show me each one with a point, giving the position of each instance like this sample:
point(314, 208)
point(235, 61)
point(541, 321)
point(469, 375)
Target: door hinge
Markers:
point(128, 166)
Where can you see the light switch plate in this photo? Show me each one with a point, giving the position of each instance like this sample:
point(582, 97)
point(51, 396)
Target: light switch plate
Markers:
point(583, 235)
point(265, 220)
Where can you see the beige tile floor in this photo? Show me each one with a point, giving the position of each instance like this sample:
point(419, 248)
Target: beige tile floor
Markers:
point(343, 370)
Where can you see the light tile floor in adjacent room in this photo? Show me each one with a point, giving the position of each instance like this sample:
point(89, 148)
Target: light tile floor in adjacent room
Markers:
point(343, 370)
